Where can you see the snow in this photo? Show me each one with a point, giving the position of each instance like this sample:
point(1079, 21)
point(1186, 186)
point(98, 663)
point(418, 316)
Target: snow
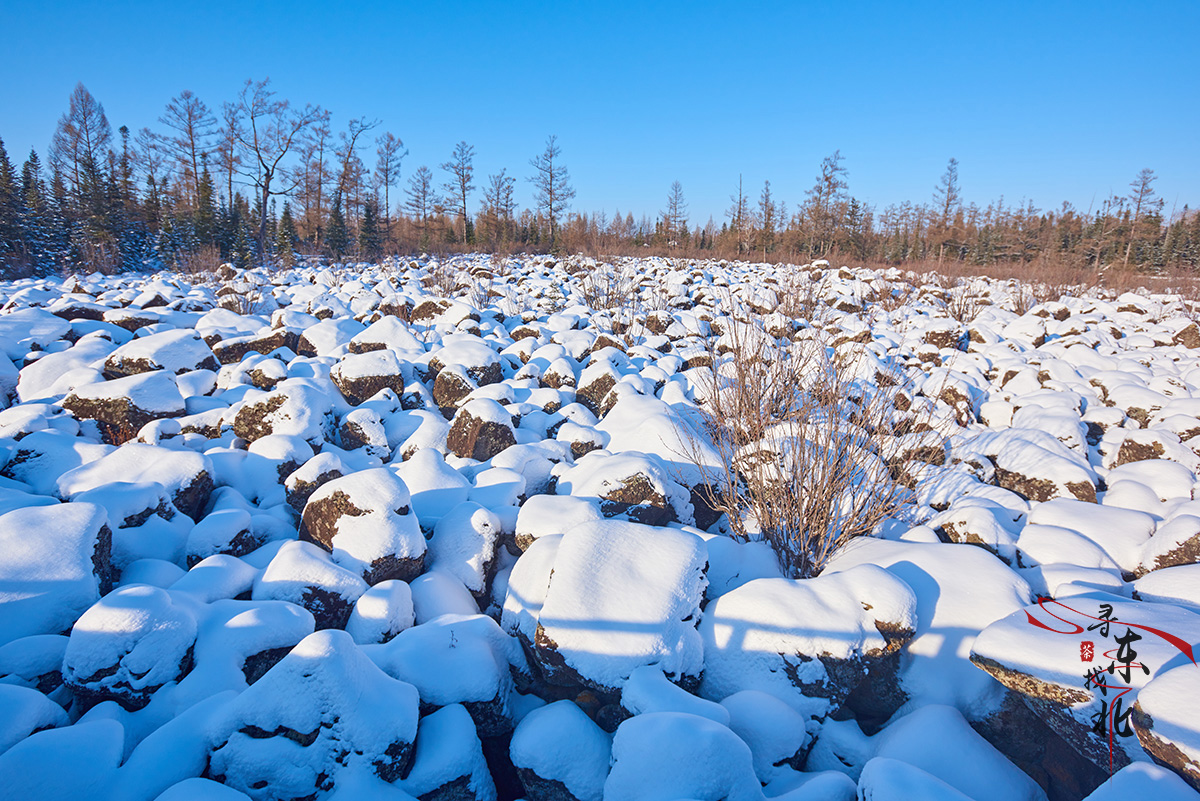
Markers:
point(1178, 585)
point(1143, 780)
point(885, 779)
point(625, 595)
point(448, 749)
point(464, 544)
point(649, 690)
point(775, 732)
point(382, 612)
point(326, 691)
point(438, 593)
point(754, 635)
point(434, 486)
point(938, 740)
point(63, 764)
point(47, 577)
point(559, 742)
point(671, 755)
point(1172, 700)
point(24, 711)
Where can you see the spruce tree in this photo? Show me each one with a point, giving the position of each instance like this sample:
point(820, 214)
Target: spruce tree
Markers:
point(337, 238)
point(242, 256)
point(285, 236)
point(33, 211)
point(10, 225)
point(369, 240)
point(206, 207)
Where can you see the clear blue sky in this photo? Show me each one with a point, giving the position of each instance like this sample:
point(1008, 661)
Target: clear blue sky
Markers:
point(1043, 100)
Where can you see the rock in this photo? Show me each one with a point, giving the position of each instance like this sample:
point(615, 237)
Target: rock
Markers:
point(449, 763)
point(457, 659)
point(366, 520)
point(634, 587)
point(329, 709)
point(360, 376)
point(57, 563)
point(382, 612)
point(306, 479)
point(1164, 719)
point(128, 645)
point(464, 544)
point(177, 351)
point(1047, 668)
point(122, 406)
point(634, 485)
point(362, 428)
point(186, 475)
point(762, 636)
point(303, 574)
point(675, 755)
point(560, 754)
point(977, 521)
point(294, 407)
point(481, 428)
point(227, 531)
point(234, 349)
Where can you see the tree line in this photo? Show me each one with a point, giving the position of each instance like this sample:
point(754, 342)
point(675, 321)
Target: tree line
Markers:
point(260, 180)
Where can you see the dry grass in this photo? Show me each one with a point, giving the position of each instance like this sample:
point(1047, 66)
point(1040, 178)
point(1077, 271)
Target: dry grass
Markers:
point(808, 441)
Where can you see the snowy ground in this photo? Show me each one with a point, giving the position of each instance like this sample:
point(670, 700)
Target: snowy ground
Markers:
point(358, 540)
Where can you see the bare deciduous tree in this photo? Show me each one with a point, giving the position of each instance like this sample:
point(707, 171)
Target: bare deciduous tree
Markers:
point(554, 190)
point(829, 189)
point(390, 152)
point(739, 217)
point(192, 125)
point(1141, 196)
point(266, 130)
point(675, 217)
point(421, 200)
point(462, 170)
point(82, 138)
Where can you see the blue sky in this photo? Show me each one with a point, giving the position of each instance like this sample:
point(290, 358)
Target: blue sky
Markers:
point(1045, 101)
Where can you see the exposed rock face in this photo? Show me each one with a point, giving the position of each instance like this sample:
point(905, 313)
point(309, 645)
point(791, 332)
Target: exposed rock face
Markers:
point(480, 430)
point(1164, 719)
point(122, 406)
point(292, 408)
point(360, 376)
point(231, 351)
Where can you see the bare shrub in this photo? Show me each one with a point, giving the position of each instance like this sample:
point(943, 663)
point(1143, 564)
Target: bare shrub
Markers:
point(609, 287)
point(202, 262)
point(809, 442)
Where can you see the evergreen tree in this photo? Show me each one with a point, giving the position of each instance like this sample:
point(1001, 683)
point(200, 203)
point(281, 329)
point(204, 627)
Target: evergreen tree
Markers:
point(206, 207)
point(242, 256)
point(33, 211)
point(370, 241)
point(337, 238)
point(285, 236)
point(10, 224)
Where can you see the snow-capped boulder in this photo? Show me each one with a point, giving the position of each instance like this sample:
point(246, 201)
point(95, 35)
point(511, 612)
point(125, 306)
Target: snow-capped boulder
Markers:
point(360, 376)
point(1164, 718)
point(449, 762)
point(122, 406)
point(325, 706)
point(177, 351)
point(768, 635)
point(366, 520)
point(560, 754)
point(57, 563)
point(464, 544)
point(186, 475)
point(304, 574)
point(481, 428)
point(128, 645)
point(294, 407)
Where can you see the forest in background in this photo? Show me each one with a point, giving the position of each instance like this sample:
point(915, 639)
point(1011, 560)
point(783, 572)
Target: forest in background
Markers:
point(261, 180)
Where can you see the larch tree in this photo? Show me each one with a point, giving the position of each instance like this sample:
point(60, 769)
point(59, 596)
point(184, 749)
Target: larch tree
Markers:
point(266, 130)
point(828, 190)
point(739, 217)
point(82, 139)
point(553, 185)
point(389, 152)
point(675, 216)
point(192, 127)
point(421, 200)
point(499, 207)
point(770, 214)
point(459, 186)
point(947, 203)
point(1141, 199)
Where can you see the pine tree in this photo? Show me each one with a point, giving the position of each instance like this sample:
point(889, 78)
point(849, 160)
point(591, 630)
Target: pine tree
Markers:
point(369, 239)
point(337, 238)
point(242, 255)
point(285, 236)
point(33, 211)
